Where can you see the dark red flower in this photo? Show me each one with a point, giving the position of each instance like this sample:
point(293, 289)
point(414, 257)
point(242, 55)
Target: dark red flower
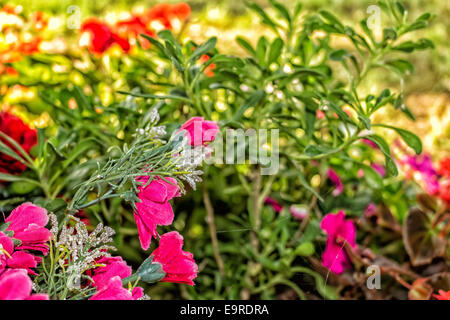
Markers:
point(102, 37)
point(22, 134)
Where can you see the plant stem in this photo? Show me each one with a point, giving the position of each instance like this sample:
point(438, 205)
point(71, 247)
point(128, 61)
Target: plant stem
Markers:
point(212, 229)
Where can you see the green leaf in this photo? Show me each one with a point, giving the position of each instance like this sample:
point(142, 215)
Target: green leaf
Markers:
point(252, 101)
point(204, 48)
point(150, 271)
point(384, 147)
point(306, 185)
point(282, 11)
point(339, 55)
point(261, 50)
point(332, 20)
point(401, 66)
point(389, 34)
point(275, 50)
point(265, 19)
point(372, 177)
point(410, 46)
point(246, 45)
point(410, 138)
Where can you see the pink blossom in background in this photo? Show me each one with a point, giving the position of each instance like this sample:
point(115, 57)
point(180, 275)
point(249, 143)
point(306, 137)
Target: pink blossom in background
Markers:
point(334, 177)
point(113, 290)
point(298, 213)
point(16, 285)
point(370, 143)
point(154, 208)
point(178, 265)
point(338, 230)
point(380, 169)
point(360, 173)
point(370, 210)
point(200, 131)
point(28, 224)
point(424, 166)
point(277, 207)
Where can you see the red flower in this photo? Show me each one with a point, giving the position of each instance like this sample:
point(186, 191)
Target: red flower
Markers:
point(442, 295)
point(178, 265)
point(181, 11)
point(159, 12)
point(444, 190)
point(102, 37)
point(22, 134)
point(209, 69)
point(133, 28)
point(444, 167)
point(40, 20)
point(29, 47)
point(164, 13)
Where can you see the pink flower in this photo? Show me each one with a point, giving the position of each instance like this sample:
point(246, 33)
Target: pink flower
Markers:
point(113, 290)
point(370, 210)
point(298, 213)
point(28, 224)
point(178, 265)
point(16, 285)
point(113, 266)
point(428, 174)
point(338, 229)
point(379, 168)
point(154, 208)
point(15, 260)
point(370, 143)
point(337, 182)
point(277, 207)
point(200, 131)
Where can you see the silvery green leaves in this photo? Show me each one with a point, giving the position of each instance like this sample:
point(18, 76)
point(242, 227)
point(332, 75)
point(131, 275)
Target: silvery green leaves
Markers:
point(117, 177)
point(148, 271)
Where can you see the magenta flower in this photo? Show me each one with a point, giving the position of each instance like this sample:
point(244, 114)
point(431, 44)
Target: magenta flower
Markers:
point(178, 265)
point(337, 182)
point(113, 266)
point(380, 169)
point(200, 131)
point(113, 290)
point(154, 208)
point(339, 230)
point(28, 224)
point(370, 143)
point(370, 210)
point(277, 207)
point(17, 259)
point(16, 285)
point(428, 174)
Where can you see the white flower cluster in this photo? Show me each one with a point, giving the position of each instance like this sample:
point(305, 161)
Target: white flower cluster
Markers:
point(78, 248)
